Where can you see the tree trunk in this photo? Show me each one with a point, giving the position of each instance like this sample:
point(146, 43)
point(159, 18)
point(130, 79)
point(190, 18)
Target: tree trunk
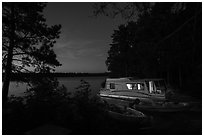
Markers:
point(168, 77)
point(9, 60)
point(194, 34)
point(180, 77)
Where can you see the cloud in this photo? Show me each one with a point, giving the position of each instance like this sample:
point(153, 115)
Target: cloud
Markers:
point(73, 44)
point(81, 55)
point(76, 49)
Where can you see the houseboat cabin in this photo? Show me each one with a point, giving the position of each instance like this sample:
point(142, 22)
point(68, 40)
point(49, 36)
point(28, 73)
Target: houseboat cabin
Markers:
point(134, 89)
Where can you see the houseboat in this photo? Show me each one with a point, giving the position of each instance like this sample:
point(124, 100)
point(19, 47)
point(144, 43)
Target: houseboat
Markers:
point(141, 94)
point(130, 90)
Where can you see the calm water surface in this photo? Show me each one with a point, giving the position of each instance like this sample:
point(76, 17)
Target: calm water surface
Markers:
point(18, 88)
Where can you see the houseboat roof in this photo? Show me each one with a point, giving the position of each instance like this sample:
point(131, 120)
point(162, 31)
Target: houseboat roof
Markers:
point(118, 79)
point(131, 79)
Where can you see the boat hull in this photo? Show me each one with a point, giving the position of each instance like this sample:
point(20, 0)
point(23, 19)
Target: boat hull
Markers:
point(146, 104)
point(128, 98)
point(162, 109)
point(128, 116)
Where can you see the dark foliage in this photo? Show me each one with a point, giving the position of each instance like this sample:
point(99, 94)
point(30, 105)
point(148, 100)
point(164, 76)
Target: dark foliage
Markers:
point(48, 102)
point(128, 10)
point(164, 41)
point(33, 39)
point(27, 41)
point(37, 107)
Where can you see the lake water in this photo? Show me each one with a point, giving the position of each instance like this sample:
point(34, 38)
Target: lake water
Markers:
point(18, 88)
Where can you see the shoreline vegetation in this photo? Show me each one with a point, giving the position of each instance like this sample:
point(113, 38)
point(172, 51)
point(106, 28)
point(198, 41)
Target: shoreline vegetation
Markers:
point(22, 76)
point(81, 114)
point(138, 48)
point(25, 77)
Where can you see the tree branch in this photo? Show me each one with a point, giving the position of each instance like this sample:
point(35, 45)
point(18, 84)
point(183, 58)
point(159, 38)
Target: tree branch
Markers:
point(23, 53)
point(175, 31)
point(22, 68)
point(17, 59)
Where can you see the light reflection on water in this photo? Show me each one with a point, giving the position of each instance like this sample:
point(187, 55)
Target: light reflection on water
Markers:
point(18, 88)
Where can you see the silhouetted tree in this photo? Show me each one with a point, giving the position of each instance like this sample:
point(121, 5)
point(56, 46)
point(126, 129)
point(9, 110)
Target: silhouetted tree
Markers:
point(128, 10)
point(27, 40)
point(83, 91)
point(164, 41)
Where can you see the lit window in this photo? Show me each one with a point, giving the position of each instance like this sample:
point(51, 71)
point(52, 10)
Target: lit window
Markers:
point(140, 86)
point(129, 86)
point(132, 86)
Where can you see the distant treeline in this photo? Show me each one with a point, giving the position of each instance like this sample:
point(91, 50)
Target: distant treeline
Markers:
point(22, 76)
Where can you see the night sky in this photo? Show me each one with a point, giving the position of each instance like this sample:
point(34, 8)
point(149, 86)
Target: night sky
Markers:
point(84, 40)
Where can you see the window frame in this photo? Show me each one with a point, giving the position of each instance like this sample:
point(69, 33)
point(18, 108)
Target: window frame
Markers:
point(112, 85)
point(135, 84)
